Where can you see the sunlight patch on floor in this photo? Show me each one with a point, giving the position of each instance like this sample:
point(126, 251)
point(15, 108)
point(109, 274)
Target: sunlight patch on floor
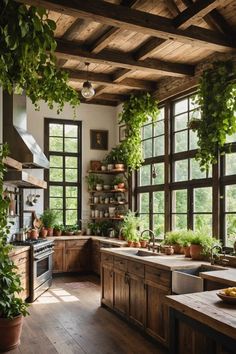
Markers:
point(56, 295)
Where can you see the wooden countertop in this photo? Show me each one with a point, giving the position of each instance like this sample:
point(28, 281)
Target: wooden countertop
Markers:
point(207, 308)
point(112, 241)
point(18, 249)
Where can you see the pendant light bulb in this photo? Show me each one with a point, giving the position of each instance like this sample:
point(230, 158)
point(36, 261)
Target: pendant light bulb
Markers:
point(87, 90)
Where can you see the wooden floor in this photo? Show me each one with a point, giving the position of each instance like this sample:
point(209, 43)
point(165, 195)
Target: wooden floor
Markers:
point(68, 319)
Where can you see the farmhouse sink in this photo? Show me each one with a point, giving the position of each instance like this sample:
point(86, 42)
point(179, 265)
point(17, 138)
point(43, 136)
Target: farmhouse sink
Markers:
point(186, 281)
point(141, 253)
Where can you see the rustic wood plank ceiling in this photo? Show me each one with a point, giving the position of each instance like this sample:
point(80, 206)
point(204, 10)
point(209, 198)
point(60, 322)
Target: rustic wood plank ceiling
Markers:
point(133, 44)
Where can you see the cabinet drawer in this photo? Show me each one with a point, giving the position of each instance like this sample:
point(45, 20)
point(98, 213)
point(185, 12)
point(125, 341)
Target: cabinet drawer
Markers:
point(158, 276)
point(136, 268)
point(21, 258)
point(106, 258)
point(76, 243)
point(59, 244)
point(120, 263)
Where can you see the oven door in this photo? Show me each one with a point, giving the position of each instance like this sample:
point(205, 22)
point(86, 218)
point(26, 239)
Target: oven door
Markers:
point(42, 268)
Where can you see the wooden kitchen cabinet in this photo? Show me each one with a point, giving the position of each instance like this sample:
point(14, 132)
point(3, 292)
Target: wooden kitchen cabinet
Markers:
point(108, 284)
point(96, 257)
point(22, 261)
point(121, 292)
point(59, 257)
point(137, 300)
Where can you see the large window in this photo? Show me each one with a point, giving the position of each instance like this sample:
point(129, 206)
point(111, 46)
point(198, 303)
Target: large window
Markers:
point(63, 147)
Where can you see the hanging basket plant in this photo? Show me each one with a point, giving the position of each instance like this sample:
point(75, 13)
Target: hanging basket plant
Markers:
point(217, 100)
point(137, 110)
point(27, 60)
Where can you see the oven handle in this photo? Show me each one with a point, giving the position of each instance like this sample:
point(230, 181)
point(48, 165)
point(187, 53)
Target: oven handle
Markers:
point(43, 256)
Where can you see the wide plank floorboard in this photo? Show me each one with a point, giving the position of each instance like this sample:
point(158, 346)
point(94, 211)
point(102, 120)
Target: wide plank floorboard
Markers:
point(68, 319)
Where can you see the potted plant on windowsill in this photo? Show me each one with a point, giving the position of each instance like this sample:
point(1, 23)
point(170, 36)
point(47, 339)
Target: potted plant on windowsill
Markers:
point(58, 229)
point(173, 238)
point(130, 226)
point(49, 218)
point(144, 240)
point(201, 245)
point(12, 307)
point(185, 242)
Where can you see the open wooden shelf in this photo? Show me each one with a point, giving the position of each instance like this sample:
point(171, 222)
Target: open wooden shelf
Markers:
point(109, 191)
point(107, 172)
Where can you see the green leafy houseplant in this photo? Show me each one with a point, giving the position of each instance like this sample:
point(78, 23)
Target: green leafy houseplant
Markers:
point(92, 180)
point(49, 219)
point(27, 60)
point(137, 110)
point(130, 226)
point(201, 245)
point(12, 307)
point(217, 100)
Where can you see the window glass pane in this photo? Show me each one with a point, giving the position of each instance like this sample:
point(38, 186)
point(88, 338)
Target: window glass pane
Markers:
point(158, 225)
point(181, 121)
point(193, 140)
point(71, 162)
point(147, 131)
point(55, 144)
point(195, 114)
point(230, 164)
point(159, 146)
point(181, 141)
point(159, 168)
point(56, 174)
point(56, 161)
point(144, 203)
point(55, 191)
point(145, 175)
point(203, 222)
point(230, 202)
point(158, 202)
point(71, 145)
point(71, 191)
point(56, 203)
point(192, 102)
point(179, 201)
point(230, 223)
point(60, 216)
point(55, 129)
point(231, 138)
point(71, 131)
point(203, 200)
point(195, 170)
point(71, 217)
point(181, 170)
point(181, 106)
point(179, 221)
point(147, 148)
point(159, 127)
point(71, 203)
point(162, 113)
point(145, 221)
point(71, 175)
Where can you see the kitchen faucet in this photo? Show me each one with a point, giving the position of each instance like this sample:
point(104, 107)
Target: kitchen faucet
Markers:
point(152, 238)
point(212, 259)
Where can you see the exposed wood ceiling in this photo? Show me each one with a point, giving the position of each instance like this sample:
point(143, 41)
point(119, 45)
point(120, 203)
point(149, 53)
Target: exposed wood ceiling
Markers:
point(132, 44)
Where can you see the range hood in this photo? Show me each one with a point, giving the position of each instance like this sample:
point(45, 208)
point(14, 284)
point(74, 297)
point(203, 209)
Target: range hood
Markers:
point(23, 147)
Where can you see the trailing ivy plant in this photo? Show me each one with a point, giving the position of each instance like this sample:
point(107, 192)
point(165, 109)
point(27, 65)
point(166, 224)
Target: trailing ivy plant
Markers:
point(27, 60)
point(11, 305)
point(137, 110)
point(217, 100)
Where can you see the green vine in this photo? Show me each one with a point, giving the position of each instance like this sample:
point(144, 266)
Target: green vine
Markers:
point(217, 100)
point(27, 60)
point(135, 113)
point(11, 305)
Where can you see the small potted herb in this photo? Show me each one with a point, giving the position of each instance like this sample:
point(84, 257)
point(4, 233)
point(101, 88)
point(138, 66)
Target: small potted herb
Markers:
point(49, 218)
point(58, 228)
point(130, 226)
point(92, 180)
point(185, 241)
point(173, 238)
point(201, 244)
point(119, 182)
point(144, 240)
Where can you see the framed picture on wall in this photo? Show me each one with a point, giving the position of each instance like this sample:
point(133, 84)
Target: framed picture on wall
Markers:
point(99, 139)
point(122, 132)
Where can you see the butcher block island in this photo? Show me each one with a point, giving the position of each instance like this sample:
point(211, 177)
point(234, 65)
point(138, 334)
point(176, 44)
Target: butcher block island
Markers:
point(136, 285)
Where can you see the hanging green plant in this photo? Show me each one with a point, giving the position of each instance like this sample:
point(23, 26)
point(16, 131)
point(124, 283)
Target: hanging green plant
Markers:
point(217, 100)
point(137, 110)
point(27, 60)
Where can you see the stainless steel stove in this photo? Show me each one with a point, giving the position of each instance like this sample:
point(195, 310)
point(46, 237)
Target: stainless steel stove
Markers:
point(41, 252)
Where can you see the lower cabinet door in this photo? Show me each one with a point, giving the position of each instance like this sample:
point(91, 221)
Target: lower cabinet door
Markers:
point(107, 285)
point(157, 314)
point(137, 300)
point(58, 260)
point(121, 292)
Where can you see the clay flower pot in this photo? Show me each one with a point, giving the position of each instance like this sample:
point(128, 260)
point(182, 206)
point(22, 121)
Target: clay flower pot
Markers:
point(121, 185)
point(187, 251)
point(130, 243)
point(177, 249)
point(10, 331)
point(70, 233)
point(119, 166)
point(43, 232)
point(137, 244)
point(143, 243)
point(57, 232)
point(34, 234)
point(50, 231)
point(196, 252)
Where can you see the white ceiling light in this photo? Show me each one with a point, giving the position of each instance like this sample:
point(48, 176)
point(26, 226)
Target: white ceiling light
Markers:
point(87, 90)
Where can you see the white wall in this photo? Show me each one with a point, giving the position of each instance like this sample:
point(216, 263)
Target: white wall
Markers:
point(92, 117)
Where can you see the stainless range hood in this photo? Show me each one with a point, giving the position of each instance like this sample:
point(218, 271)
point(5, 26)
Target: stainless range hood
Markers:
point(23, 147)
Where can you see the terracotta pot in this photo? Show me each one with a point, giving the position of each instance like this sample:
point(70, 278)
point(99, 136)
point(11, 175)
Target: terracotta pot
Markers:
point(137, 244)
point(10, 332)
point(143, 243)
point(130, 243)
point(196, 252)
point(70, 233)
point(121, 185)
point(34, 234)
point(177, 249)
point(169, 250)
point(119, 166)
point(43, 232)
point(57, 232)
point(187, 251)
point(50, 231)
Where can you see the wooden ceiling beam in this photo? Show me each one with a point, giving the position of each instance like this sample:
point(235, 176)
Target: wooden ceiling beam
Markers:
point(196, 11)
point(69, 50)
point(107, 79)
point(172, 7)
point(137, 21)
